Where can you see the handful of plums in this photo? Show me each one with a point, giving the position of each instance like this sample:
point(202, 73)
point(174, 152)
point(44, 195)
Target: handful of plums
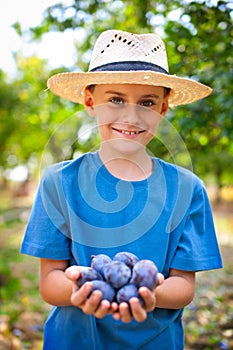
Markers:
point(119, 278)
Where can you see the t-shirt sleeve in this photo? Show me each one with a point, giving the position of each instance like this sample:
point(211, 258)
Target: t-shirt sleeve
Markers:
point(47, 234)
point(198, 247)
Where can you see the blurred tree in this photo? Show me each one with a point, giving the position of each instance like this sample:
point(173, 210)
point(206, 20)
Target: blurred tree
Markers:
point(201, 44)
point(29, 116)
point(198, 35)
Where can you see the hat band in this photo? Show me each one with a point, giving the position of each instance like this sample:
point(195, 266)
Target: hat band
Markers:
point(129, 66)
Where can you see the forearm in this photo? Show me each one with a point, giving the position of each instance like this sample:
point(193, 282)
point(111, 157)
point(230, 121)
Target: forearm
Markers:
point(55, 288)
point(176, 292)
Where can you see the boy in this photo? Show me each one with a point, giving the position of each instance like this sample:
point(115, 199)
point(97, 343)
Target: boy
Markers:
point(121, 199)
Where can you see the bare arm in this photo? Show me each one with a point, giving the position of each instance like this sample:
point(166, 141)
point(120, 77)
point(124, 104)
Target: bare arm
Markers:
point(55, 288)
point(177, 290)
point(58, 287)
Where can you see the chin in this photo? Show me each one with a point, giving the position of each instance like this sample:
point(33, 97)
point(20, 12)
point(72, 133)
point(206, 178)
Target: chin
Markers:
point(128, 148)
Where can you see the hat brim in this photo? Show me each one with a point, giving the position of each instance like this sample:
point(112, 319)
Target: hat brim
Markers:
point(71, 86)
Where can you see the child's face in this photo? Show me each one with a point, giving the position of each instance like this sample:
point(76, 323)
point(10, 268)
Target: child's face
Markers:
point(126, 113)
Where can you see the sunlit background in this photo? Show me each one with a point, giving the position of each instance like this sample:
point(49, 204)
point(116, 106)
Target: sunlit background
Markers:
point(29, 13)
point(37, 128)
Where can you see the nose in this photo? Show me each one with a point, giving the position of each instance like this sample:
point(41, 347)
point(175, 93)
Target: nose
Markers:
point(131, 114)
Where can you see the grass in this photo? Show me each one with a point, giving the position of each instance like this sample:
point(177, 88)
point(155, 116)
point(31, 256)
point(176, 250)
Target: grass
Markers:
point(208, 319)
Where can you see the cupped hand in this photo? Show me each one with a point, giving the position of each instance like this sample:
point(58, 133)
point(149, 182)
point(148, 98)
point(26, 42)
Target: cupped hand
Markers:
point(137, 309)
point(89, 302)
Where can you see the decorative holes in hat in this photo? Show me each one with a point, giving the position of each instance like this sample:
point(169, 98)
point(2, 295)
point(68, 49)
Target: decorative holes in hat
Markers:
point(124, 58)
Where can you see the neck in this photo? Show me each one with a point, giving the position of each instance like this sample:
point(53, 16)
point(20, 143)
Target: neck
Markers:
point(128, 167)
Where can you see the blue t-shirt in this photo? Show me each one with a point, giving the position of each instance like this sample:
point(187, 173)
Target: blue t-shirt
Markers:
point(82, 210)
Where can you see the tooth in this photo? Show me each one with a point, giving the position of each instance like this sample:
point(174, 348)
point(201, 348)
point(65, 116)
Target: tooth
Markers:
point(129, 132)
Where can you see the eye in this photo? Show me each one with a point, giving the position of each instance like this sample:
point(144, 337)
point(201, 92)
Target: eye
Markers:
point(117, 100)
point(147, 103)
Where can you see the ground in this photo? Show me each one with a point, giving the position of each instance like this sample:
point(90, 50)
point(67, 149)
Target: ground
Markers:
point(208, 320)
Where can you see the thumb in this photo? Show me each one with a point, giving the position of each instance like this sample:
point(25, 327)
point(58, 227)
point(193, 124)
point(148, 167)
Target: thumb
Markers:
point(160, 278)
point(72, 272)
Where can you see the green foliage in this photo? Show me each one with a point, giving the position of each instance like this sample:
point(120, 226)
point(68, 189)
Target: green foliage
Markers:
point(29, 115)
point(198, 36)
point(205, 52)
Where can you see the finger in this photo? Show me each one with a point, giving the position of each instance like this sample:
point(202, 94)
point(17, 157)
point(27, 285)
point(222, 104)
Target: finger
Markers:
point(160, 278)
point(74, 287)
point(91, 304)
point(72, 272)
point(148, 298)
point(116, 316)
point(115, 311)
point(80, 296)
point(125, 313)
point(114, 307)
point(103, 309)
point(138, 312)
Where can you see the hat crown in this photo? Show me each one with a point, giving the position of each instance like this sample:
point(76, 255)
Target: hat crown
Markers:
point(114, 46)
point(124, 58)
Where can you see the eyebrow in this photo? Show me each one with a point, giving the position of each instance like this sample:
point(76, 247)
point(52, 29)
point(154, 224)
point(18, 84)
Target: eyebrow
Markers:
point(115, 93)
point(150, 96)
point(124, 95)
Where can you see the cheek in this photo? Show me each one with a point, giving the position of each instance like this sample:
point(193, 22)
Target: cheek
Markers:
point(153, 122)
point(152, 127)
point(104, 114)
point(105, 117)
point(105, 130)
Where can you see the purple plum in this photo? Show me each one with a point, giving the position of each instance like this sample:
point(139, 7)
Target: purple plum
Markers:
point(126, 293)
point(128, 258)
point(87, 274)
point(117, 274)
point(144, 274)
point(105, 288)
point(99, 262)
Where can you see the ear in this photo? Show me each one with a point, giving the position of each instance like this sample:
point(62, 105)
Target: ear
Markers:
point(89, 102)
point(164, 107)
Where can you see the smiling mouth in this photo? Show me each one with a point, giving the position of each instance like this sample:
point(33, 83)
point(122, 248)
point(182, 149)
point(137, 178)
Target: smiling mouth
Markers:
point(127, 132)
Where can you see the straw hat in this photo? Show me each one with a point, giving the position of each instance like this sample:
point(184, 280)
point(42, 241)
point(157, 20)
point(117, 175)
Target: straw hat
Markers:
point(124, 58)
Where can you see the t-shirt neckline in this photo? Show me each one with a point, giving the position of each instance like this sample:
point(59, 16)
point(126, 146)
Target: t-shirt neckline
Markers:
point(113, 179)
